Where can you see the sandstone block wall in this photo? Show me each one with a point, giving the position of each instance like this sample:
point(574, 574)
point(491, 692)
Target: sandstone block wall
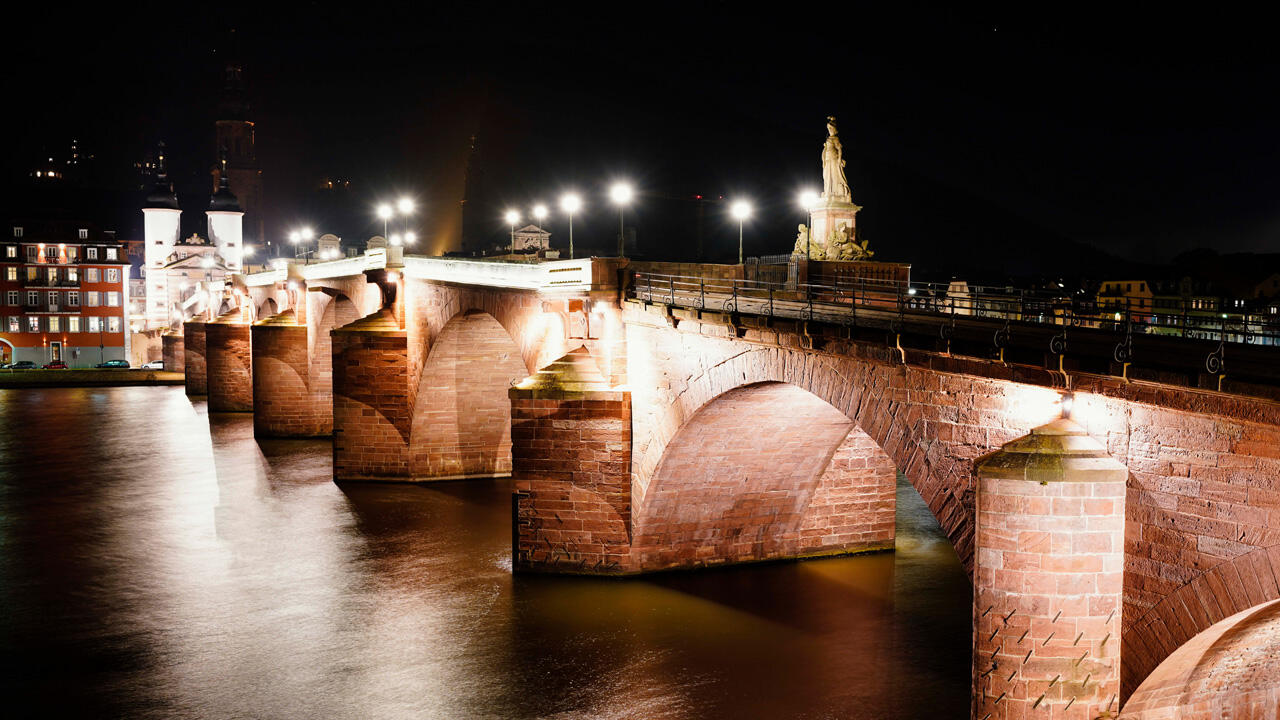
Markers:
point(571, 458)
point(229, 366)
point(193, 353)
point(371, 411)
point(283, 402)
point(173, 354)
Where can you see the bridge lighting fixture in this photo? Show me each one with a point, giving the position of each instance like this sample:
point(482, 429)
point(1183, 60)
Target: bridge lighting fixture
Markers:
point(307, 233)
point(621, 194)
point(539, 213)
point(410, 238)
point(512, 217)
point(741, 210)
point(808, 200)
point(394, 239)
point(295, 237)
point(248, 250)
point(384, 214)
point(405, 206)
point(911, 291)
point(1068, 400)
point(571, 204)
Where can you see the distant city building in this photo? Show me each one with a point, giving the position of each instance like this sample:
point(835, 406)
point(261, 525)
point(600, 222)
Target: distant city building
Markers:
point(531, 238)
point(65, 295)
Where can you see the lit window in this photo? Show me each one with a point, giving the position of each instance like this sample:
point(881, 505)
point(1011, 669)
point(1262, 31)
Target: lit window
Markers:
point(113, 324)
point(94, 323)
point(11, 251)
point(91, 299)
point(33, 324)
point(11, 274)
point(15, 323)
point(113, 299)
point(73, 275)
point(53, 323)
point(52, 275)
point(91, 274)
point(32, 274)
point(84, 233)
point(71, 253)
point(73, 323)
point(113, 275)
point(91, 253)
point(111, 253)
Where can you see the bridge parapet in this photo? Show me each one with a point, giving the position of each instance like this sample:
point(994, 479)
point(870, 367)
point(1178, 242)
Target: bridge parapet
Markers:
point(576, 276)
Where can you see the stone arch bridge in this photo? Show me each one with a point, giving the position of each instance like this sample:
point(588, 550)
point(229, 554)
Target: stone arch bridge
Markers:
point(1119, 547)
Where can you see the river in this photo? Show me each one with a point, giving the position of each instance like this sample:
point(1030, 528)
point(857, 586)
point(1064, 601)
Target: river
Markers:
point(158, 562)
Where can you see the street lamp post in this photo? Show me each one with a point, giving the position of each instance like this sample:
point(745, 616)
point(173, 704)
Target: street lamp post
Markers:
point(385, 212)
point(571, 204)
point(621, 194)
point(406, 208)
point(540, 214)
point(741, 211)
point(808, 199)
point(513, 217)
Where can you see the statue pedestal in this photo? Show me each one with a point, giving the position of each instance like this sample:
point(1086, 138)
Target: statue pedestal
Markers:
point(826, 218)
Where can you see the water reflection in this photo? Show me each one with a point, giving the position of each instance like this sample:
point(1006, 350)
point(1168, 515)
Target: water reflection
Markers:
point(156, 561)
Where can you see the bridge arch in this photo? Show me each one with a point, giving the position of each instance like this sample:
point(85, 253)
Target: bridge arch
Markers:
point(1228, 669)
point(461, 416)
point(933, 425)
point(268, 308)
point(1155, 647)
point(742, 481)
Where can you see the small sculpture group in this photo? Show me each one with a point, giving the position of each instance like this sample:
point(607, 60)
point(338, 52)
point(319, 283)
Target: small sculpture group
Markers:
point(841, 244)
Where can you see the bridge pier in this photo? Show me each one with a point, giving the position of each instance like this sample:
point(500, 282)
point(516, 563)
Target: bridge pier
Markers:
point(372, 415)
point(229, 364)
point(193, 357)
point(571, 460)
point(172, 352)
point(1049, 576)
point(283, 399)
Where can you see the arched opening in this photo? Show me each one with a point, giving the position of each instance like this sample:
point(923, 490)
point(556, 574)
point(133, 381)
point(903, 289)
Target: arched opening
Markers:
point(6, 352)
point(462, 417)
point(268, 309)
point(1230, 670)
point(338, 311)
point(765, 471)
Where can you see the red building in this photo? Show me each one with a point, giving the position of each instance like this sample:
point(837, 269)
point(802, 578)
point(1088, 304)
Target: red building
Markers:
point(64, 294)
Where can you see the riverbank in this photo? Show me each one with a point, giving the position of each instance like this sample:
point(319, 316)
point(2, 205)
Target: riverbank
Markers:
point(87, 378)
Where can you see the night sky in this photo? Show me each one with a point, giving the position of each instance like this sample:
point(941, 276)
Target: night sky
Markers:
point(972, 136)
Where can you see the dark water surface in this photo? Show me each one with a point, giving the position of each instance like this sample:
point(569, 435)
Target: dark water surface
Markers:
point(157, 562)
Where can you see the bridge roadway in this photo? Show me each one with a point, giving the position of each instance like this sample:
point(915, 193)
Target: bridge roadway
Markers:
point(1110, 525)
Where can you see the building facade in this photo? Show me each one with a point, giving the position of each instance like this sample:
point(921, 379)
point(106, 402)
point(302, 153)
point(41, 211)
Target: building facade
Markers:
point(65, 293)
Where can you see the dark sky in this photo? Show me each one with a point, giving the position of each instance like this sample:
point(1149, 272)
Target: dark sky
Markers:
point(966, 130)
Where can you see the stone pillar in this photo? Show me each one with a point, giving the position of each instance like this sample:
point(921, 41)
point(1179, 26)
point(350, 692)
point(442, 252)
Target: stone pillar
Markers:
point(571, 462)
point(1048, 578)
point(193, 363)
point(172, 353)
point(283, 402)
point(372, 415)
point(229, 359)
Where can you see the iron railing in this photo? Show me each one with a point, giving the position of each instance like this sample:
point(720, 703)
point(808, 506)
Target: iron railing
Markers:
point(843, 300)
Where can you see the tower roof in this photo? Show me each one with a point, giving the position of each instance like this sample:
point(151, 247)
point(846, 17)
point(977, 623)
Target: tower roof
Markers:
point(161, 194)
point(223, 199)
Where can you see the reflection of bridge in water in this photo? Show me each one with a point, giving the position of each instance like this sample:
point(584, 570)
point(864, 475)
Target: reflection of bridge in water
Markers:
point(655, 419)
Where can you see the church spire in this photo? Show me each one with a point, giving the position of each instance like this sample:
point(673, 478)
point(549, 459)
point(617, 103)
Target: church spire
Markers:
point(161, 195)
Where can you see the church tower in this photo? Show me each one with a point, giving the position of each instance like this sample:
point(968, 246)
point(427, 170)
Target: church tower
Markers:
point(235, 136)
point(161, 220)
point(226, 220)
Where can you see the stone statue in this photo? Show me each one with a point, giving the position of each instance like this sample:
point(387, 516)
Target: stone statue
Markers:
point(844, 245)
point(802, 240)
point(834, 185)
